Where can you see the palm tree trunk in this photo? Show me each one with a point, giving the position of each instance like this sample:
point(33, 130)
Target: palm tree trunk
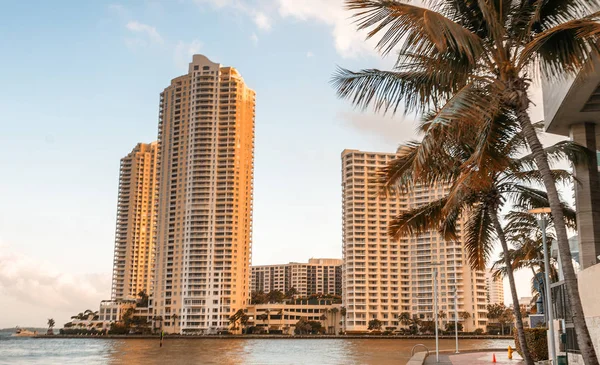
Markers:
point(513, 291)
point(583, 336)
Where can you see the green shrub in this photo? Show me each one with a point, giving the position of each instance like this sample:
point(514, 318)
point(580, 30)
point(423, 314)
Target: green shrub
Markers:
point(80, 331)
point(536, 341)
point(478, 332)
point(118, 329)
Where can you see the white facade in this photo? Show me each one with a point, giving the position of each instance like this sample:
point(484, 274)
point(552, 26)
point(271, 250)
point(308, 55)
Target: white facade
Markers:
point(495, 288)
point(382, 277)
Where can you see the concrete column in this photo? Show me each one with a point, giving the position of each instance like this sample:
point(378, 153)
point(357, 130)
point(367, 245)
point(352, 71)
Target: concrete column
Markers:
point(587, 196)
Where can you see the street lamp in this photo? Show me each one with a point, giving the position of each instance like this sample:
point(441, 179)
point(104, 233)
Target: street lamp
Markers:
point(539, 212)
point(435, 310)
point(456, 312)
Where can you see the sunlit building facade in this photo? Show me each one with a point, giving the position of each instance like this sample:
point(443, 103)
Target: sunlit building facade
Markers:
point(318, 276)
point(133, 264)
point(206, 162)
point(383, 277)
point(495, 288)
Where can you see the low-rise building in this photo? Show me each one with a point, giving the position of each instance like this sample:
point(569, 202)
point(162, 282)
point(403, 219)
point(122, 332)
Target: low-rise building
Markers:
point(283, 317)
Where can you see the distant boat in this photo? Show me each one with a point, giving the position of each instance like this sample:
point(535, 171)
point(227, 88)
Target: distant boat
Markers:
point(22, 332)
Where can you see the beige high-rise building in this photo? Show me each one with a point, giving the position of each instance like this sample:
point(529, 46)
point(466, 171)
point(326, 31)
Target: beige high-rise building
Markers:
point(318, 276)
point(382, 277)
point(206, 162)
point(495, 288)
point(133, 265)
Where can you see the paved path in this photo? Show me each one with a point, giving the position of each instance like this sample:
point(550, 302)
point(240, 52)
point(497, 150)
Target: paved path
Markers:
point(474, 358)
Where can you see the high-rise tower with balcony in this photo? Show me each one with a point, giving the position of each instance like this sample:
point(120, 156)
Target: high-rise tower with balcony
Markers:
point(383, 277)
point(206, 161)
point(133, 265)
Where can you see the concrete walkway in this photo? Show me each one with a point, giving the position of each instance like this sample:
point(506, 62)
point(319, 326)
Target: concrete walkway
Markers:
point(474, 358)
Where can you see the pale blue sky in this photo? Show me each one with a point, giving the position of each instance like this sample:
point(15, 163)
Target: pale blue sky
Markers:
point(80, 87)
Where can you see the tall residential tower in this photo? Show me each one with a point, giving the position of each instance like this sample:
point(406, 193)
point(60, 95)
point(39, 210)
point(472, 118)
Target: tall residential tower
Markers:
point(133, 264)
point(206, 162)
point(495, 288)
point(383, 277)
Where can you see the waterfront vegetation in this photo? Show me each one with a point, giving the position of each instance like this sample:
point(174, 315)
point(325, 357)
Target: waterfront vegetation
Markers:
point(467, 67)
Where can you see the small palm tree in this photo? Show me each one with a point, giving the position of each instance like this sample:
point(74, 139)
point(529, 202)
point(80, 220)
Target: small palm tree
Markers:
point(415, 322)
point(404, 319)
point(334, 312)
point(471, 59)
point(442, 315)
point(174, 318)
point(343, 313)
point(244, 322)
point(51, 324)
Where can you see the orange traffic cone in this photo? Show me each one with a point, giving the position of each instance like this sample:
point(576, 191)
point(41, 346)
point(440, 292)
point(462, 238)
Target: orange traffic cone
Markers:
point(494, 358)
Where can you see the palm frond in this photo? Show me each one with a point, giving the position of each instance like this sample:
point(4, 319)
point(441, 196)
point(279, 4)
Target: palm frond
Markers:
point(550, 13)
point(418, 27)
point(559, 152)
point(533, 177)
point(564, 49)
point(479, 236)
point(418, 220)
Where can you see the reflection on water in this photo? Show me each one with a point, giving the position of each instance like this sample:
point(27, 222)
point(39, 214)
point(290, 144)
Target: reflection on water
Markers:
point(226, 352)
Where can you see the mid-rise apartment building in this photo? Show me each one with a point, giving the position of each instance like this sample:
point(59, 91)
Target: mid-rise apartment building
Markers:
point(206, 162)
point(495, 288)
point(383, 277)
point(133, 265)
point(318, 276)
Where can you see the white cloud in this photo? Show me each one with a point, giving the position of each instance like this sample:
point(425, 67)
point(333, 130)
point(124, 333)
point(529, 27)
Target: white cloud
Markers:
point(348, 42)
point(146, 29)
point(249, 8)
point(46, 290)
point(262, 21)
point(254, 39)
point(389, 129)
point(309, 54)
point(184, 52)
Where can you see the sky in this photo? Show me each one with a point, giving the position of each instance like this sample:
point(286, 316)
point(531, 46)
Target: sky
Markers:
point(81, 83)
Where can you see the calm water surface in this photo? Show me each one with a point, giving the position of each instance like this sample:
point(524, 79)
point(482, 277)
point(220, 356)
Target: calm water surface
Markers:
point(226, 352)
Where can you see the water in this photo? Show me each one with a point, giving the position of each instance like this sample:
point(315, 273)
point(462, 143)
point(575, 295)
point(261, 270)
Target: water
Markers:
point(221, 351)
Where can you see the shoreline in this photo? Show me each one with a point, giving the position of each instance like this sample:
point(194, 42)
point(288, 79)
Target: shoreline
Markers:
point(271, 337)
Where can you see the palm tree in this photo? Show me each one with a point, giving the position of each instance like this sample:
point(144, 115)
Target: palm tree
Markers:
point(323, 319)
point(523, 231)
point(244, 322)
point(404, 318)
point(470, 59)
point(414, 324)
point(442, 315)
point(478, 194)
point(174, 318)
point(343, 313)
point(265, 318)
point(51, 324)
point(267, 312)
point(334, 311)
